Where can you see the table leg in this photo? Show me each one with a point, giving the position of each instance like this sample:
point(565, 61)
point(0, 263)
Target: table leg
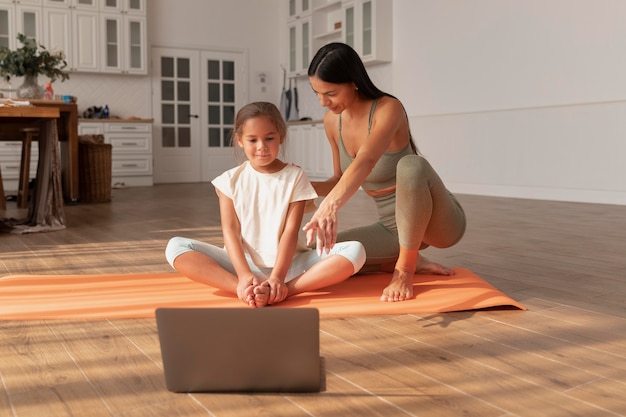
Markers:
point(46, 211)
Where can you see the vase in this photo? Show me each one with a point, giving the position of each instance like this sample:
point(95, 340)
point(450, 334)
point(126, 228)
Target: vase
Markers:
point(30, 88)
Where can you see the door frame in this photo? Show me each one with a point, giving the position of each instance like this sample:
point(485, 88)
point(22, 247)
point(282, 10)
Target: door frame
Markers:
point(208, 162)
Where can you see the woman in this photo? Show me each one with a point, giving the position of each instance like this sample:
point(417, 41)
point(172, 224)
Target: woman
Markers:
point(261, 207)
point(369, 134)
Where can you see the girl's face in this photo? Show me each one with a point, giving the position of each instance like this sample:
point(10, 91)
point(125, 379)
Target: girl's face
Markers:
point(261, 142)
point(335, 97)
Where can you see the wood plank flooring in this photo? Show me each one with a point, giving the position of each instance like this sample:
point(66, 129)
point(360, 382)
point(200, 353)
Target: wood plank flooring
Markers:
point(565, 356)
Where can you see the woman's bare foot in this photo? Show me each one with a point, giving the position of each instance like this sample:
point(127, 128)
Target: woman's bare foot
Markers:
point(261, 294)
point(426, 267)
point(400, 287)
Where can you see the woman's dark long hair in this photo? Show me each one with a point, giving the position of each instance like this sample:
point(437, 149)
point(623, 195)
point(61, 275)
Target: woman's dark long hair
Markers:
point(338, 63)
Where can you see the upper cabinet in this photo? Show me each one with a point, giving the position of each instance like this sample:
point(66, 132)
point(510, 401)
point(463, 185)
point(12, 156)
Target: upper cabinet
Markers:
point(137, 7)
point(366, 25)
point(299, 36)
point(123, 39)
point(368, 29)
point(72, 4)
point(124, 43)
point(24, 16)
point(328, 23)
point(298, 8)
point(96, 35)
point(72, 26)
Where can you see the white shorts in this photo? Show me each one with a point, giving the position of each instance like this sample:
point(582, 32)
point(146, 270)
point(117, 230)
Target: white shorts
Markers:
point(302, 261)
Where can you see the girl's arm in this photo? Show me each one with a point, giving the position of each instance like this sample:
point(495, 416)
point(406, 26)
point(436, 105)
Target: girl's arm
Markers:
point(231, 229)
point(286, 249)
point(389, 117)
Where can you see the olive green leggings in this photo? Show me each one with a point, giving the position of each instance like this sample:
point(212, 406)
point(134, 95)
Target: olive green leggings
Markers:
point(421, 213)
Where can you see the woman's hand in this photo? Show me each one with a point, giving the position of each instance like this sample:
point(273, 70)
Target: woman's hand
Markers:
point(323, 224)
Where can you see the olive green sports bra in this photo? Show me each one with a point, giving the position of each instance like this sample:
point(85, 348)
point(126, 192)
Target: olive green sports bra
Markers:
point(383, 174)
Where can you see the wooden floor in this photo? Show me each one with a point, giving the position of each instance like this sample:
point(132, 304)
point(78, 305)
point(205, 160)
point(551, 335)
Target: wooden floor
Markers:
point(565, 356)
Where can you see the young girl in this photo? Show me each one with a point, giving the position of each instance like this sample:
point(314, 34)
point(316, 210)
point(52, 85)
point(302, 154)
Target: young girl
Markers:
point(261, 207)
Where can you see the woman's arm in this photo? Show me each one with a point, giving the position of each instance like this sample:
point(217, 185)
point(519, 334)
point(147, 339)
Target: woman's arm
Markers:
point(231, 229)
point(388, 118)
point(286, 249)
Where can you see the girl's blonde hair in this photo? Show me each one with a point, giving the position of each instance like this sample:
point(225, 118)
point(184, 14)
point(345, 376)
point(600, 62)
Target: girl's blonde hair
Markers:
point(258, 109)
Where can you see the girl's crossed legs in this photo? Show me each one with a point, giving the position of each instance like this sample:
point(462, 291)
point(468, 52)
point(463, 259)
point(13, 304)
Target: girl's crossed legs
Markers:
point(210, 265)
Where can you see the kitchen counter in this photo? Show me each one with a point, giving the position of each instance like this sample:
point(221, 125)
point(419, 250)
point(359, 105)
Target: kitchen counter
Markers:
point(304, 122)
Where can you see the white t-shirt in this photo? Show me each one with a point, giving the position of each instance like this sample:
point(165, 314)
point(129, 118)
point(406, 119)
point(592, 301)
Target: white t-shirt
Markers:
point(261, 202)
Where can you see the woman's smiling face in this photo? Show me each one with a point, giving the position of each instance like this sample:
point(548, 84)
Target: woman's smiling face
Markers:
point(335, 97)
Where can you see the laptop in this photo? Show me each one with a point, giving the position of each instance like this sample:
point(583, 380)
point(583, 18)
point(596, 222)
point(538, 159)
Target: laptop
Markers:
point(269, 349)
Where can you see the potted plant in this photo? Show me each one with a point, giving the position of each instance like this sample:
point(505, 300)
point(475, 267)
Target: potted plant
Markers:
point(30, 61)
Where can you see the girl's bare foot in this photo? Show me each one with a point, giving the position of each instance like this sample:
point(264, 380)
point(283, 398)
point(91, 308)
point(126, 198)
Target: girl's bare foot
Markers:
point(249, 296)
point(261, 294)
point(400, 287)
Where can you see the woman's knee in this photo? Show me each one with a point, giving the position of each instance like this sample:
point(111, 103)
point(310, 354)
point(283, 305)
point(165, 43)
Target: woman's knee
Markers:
point(413, 170)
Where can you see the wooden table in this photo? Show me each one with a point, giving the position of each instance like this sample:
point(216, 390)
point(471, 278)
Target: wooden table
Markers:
point(45, 211)
point(67, 127)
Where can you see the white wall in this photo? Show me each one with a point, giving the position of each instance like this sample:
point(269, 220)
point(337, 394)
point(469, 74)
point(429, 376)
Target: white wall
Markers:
point(256, 27)
point(523, 98)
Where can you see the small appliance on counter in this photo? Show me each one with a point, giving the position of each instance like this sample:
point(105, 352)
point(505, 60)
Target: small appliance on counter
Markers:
point(96, 112)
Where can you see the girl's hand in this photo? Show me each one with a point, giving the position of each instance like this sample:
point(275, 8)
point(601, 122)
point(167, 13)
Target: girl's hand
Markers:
point(245, 289)
point(278, 291)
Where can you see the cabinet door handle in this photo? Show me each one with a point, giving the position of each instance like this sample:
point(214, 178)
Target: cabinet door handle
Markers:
point(195, 116)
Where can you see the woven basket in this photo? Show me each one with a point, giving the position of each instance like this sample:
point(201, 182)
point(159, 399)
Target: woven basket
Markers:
point(94, 168)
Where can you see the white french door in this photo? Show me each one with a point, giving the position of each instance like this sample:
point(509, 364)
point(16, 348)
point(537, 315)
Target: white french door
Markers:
point(195, 98)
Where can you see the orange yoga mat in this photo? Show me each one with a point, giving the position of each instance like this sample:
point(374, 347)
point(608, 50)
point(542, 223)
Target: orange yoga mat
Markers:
point(31, 297)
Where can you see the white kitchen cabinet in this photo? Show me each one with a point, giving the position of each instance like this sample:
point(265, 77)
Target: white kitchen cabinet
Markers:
point(131, 152)
point(89, 128)
point(368, 29)
point(308, 148)
point(327, 22)
point(72, 26)
point(124, 43)
point(96, 35)
point(19, 16)
point(299, 36)
point(299, 8)
point(300, 45)
point(24, 2)
point(72, 4)
point(366, 25)
point(124, 6)
point(10, 155)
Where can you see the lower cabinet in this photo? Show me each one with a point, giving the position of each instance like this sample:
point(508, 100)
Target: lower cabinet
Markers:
point(132, 150)
point(10, 155)
point(308, 147)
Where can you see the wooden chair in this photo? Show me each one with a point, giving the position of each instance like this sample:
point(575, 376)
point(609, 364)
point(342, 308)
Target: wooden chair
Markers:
point(29, 134)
